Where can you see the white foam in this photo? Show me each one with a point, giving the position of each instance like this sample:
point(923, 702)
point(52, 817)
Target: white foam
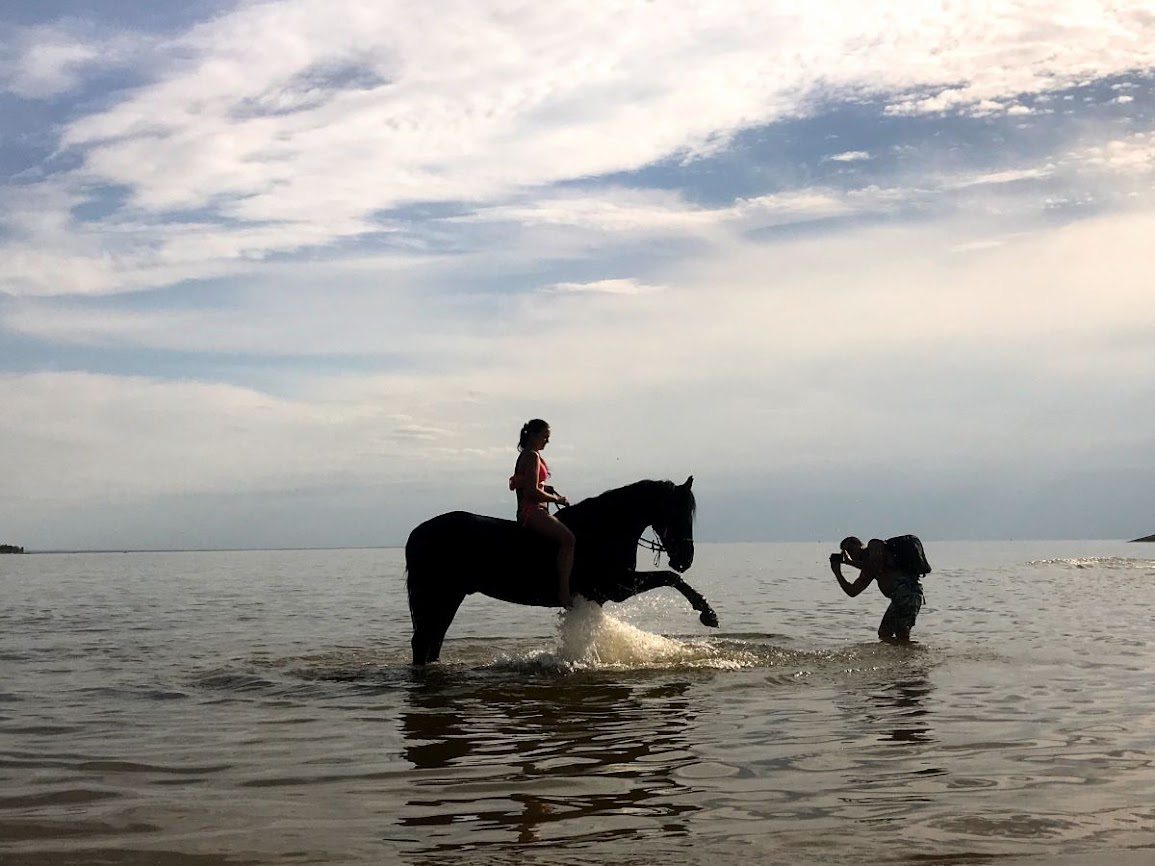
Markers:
point(588, 637)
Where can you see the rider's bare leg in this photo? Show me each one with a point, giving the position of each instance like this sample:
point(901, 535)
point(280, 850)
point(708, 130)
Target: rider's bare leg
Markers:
point(542, 521)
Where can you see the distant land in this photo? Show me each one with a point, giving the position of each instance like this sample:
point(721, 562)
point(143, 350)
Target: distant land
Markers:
point(10, 548)
point(1145, 538)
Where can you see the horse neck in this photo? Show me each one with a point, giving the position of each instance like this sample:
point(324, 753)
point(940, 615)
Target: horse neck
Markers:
point(636, 505)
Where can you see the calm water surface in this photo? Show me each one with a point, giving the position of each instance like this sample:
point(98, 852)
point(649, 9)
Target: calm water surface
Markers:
point(258, 707)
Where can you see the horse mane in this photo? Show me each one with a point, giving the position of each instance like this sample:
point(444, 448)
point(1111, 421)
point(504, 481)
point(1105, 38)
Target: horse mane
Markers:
point(631, 492)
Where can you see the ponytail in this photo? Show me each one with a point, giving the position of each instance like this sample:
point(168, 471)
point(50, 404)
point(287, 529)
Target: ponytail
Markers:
point(529, 428)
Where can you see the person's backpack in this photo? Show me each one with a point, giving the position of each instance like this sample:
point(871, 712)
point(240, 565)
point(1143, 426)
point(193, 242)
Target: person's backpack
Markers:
point(908, 555)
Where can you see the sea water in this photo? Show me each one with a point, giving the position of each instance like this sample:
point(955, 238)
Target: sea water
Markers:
point(258, 707)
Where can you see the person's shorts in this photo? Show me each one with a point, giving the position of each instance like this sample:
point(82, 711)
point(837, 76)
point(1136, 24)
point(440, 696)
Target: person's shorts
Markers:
point(905, 603)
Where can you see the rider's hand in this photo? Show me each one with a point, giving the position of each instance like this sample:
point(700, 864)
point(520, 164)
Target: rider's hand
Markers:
point(836, 559)
point(561, 500)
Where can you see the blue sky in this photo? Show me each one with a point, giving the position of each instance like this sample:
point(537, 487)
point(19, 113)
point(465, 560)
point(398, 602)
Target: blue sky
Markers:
point(293, 273)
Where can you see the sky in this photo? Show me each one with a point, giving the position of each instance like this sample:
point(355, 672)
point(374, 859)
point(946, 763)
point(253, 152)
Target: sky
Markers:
point(293, 273)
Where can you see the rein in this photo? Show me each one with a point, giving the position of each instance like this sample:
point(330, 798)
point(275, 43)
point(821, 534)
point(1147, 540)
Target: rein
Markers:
point(655, 545)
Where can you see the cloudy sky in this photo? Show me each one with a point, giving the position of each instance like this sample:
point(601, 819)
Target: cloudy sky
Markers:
point(294, 272)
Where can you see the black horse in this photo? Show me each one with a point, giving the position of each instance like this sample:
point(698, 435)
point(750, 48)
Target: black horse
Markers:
point(453, 555)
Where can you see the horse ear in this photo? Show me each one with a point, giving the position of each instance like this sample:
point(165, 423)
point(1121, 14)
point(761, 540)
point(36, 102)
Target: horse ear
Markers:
point(689, 482)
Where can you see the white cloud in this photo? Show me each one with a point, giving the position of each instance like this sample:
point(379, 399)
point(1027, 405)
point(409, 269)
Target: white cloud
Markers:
point(49, 60)
point(299, 121)
point(971, 246)
point(42, 62)
point(1130, 156)
point(619, 213)
point(608, 287)
point(799, 206)
point(279, 145)
point(850, 156)
point(424, 306)
point(611, 210)
point(1000, 177)
point(769, 340)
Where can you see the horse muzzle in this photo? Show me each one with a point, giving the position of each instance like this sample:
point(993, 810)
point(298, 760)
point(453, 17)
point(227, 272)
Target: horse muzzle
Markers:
point(681, 557)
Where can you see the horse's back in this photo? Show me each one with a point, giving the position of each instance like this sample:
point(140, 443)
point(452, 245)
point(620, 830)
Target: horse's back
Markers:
point(470, 552)
point(467, 537)
point(460, 525)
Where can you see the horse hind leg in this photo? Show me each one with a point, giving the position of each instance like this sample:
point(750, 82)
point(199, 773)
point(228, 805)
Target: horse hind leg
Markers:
point(432, 613)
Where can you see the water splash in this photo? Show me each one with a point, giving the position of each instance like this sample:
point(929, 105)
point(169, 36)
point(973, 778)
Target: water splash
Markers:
point(588, 637)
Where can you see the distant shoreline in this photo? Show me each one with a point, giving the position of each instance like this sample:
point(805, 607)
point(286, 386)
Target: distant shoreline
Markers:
point(1145, 538)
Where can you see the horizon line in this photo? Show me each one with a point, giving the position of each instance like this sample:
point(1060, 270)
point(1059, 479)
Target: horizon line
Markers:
point(125, 550)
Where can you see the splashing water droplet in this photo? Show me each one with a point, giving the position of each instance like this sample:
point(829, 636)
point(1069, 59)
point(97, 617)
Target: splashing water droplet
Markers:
point(588, 636)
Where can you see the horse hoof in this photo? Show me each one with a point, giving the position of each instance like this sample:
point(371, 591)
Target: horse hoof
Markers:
point(709, 618)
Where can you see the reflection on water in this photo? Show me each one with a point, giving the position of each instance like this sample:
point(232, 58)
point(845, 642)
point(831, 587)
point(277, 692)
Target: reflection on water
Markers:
point(906, 700)
point(891, 700)
point(580, 758)
point(259, 708)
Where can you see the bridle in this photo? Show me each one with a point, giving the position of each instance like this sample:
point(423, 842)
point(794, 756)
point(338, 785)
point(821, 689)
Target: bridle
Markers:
point(656, 545)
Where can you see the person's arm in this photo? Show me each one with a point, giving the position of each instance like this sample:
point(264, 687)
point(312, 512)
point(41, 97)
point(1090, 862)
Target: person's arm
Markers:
point(525, 480)
point(851, 589)
point(561, 498)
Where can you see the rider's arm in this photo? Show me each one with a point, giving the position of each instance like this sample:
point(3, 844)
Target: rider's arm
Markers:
point(851, 589)
point(525, 479)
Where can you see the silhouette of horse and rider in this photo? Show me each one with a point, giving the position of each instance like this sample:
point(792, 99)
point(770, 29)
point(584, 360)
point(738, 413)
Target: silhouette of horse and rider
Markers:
point(590, 548)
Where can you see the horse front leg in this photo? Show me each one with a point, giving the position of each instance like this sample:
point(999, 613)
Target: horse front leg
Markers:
point(643, 581)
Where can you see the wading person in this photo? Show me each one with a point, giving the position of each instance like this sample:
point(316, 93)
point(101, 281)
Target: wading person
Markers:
point(534, 497)
point(896, 566)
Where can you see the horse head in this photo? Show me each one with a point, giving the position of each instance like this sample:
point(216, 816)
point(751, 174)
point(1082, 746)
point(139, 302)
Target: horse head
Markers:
point(674, 524)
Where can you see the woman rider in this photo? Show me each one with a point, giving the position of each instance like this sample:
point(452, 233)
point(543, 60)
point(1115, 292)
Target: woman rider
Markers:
point(534, 497)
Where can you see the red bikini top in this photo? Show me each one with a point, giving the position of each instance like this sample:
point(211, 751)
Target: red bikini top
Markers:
point(542, 473)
